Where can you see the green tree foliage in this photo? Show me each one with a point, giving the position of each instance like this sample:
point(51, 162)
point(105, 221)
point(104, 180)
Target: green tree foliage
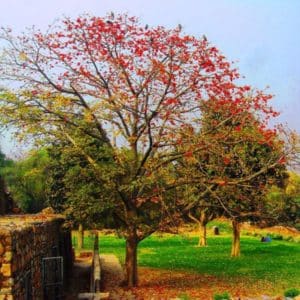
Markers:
point(74, 185)
point(26, 181)
point(6, 201)
point(287, 201)
point(4, 161)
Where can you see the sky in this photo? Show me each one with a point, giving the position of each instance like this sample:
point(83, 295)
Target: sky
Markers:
point(260, 36)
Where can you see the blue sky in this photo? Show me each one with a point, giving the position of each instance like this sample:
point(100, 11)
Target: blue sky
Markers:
point(261, 36)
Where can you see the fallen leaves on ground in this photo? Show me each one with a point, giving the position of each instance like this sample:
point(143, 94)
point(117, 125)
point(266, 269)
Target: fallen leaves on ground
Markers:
point(157, 284)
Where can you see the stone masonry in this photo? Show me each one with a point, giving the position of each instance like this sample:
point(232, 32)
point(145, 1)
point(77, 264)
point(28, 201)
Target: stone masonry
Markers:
point(25, 240)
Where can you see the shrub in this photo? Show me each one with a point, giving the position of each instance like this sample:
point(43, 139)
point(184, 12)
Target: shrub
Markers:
point(297, 240)
point(289, 239)
point(184, 297)
point(224, 296)
point(278, 237)
point(291, 293)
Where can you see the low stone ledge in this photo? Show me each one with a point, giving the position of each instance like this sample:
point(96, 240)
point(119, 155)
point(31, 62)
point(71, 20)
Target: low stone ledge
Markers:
point(94, 296)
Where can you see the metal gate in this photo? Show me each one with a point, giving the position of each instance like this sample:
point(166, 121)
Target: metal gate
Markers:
point(52, 271)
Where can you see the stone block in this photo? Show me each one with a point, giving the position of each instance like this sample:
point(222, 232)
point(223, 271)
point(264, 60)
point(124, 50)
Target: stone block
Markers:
point(6, 270)
point(2, 249)
point(8, 256)
point(5, 292)
point(8, 240)
point(8, 283)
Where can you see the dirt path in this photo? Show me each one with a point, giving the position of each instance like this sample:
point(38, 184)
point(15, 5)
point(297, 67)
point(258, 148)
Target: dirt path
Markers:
point(111, 276)
point(80, 278)
point(112, 273)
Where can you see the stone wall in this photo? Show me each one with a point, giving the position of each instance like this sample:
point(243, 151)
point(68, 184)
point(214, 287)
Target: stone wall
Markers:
point(25, 242)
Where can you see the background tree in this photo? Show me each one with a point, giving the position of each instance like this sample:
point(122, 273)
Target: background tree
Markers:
point(198, 205)
point(257, 155)
point(239, 159)
point(129, 86)
point(26, 181)
point(201, 216)
point(287, 201)
point(6, 202)
point(4, 161)
point(73, 185)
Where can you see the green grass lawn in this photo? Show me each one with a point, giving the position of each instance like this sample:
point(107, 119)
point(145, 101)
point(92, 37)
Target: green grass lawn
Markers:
point(277, 262)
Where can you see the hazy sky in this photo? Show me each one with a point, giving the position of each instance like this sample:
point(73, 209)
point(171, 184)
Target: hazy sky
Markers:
point(262, 36)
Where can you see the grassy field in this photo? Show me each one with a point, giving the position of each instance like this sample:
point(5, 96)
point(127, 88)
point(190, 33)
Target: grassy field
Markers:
point(276, 263)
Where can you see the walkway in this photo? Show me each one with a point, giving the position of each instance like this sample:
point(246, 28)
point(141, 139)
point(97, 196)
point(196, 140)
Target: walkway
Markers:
point(80, 278)
point(112, 273)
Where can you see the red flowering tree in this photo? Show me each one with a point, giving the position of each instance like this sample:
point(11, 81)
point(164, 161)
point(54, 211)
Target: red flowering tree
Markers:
point(130, 86)
point(237, 161)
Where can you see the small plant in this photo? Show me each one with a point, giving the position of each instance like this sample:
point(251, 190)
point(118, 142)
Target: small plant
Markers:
point(289, 239)
point(292, 293)
point(278, 237)
point(184, 297)
point(224, 296)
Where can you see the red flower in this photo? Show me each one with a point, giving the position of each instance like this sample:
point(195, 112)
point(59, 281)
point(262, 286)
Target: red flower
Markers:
point(171, 101)
point(188, 154)
point(238, 128)
point(222, 182)
point(226, 160)
point(282, 160)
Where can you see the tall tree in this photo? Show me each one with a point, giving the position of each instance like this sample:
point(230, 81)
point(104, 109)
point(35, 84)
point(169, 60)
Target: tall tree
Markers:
point(129, 86)
point(239, 160)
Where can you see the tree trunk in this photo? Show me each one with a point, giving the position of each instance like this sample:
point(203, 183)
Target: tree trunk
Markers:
point(131, 259)
point(80, 237)
point(203, 220)
point(202, 237)
point(236, 247)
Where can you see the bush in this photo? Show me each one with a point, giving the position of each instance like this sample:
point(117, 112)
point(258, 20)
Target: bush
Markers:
point(288, 239)
point(278, 237)
point(184, 297)
point(297, 240)
point(224, 296)
point(291, 293)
